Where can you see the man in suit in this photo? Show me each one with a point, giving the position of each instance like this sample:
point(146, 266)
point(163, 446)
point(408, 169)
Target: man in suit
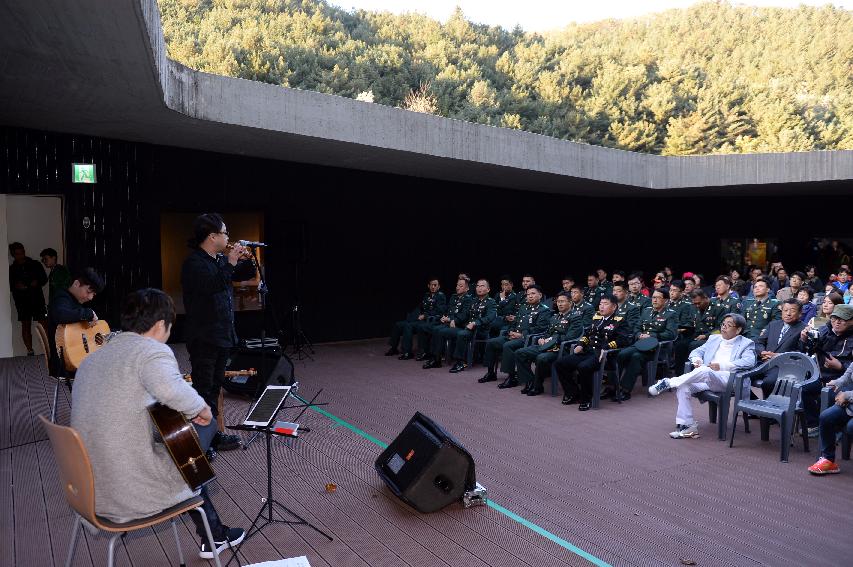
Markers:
point(714, 363)
point(779, 336)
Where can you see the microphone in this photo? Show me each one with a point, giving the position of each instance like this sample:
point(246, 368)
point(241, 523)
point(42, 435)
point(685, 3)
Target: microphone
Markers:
point(251, 244)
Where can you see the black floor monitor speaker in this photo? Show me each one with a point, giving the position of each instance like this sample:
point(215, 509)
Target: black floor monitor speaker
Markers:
point(425, 466)
point(274, 367)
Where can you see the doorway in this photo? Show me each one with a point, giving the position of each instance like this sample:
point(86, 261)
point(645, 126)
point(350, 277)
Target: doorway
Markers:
point(36, 221)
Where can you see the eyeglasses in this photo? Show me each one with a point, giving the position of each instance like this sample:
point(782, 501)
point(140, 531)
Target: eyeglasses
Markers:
point(727, 325)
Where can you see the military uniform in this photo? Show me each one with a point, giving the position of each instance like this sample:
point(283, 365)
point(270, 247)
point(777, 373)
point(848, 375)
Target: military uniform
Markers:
point(593, 295)
point(731, 303)
point(457, 311)
point(505, 307)
point(562, 327)
point(758, 315)
point(640, 300)
point(662, 325)
point(604, 333)
point(482, 313)
point(685, 314)
point(705, 323)
point(432, 306)
point(530, 319)
point(631, 312)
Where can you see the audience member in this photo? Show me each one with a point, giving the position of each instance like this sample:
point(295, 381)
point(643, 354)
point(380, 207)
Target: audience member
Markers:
point(608, 331)
point(713, 365)
point(795, 283)
point(821, 318)
point(532, 318)
point(782, 335)
point(433, 306)
point(832, 420)
point(481, 314)
point(759, 310)
point(58, 275)
point(805, 296)
point(455, 315)
point(26, 278)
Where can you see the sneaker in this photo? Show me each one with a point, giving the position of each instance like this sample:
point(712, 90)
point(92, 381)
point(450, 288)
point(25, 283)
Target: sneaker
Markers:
point(824, 466)
point(683, 431)
point(233, 536)
point(222, 442)
point(658, 387)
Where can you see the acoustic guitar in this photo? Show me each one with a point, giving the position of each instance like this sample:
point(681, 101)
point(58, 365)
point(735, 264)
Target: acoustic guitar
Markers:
point(181, 440)
point(76, 341)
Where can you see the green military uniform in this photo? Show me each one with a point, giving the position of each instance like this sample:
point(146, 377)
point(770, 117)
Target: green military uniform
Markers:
point(731, 303)
point(506, 306)
point(631, 313)
point(457, 310)
point(562, 327)
point(705, 323)
point(59, 279)
point(530, 319)
point(482, 313)
point(593, 295)
point(432, 307)
point(686, 316)
point(640, 300)
point(662, 325)
point(758, 315)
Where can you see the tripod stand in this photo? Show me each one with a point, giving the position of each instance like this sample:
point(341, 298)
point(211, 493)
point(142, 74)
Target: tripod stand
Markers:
point(261, 521)
point(302, 347)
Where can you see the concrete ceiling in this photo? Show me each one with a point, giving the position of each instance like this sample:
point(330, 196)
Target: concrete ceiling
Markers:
point(100, 68)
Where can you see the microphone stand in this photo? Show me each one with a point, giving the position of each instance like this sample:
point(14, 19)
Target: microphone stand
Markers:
point(262, 297)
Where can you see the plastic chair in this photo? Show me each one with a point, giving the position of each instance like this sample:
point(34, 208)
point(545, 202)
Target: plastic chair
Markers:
point(78, 486)
point(827, 398)
point(795, 371)
point(718, 405)
point(663, 355)
point(58, 381)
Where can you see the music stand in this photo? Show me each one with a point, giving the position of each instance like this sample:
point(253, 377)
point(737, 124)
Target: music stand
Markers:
point(273, 405)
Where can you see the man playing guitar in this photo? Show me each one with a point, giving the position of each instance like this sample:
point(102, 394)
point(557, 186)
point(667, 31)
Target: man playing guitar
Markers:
point(67, 307)
point(134, 475)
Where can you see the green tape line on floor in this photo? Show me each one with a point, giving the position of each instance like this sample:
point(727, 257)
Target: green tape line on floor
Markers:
point(508, 513)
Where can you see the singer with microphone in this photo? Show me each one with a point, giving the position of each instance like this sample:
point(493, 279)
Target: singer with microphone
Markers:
point(206, 277)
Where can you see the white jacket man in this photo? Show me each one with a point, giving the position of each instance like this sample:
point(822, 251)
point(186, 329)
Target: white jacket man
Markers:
point(713, 365)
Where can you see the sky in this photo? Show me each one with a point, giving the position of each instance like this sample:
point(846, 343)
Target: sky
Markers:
point(541, 15)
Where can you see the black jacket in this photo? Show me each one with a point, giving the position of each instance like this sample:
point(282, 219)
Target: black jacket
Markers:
point(63, 309)
point(208, 297)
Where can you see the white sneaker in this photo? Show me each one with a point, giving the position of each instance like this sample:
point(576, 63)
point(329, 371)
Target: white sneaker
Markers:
point(233, 536)
point(685, 431)
point(659, 387)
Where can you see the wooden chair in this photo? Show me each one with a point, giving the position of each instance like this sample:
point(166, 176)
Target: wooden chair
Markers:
point(58, 381)
point(78, 486)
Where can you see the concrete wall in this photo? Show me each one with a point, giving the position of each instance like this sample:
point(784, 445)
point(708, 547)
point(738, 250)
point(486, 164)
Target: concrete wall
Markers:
point(36, 222)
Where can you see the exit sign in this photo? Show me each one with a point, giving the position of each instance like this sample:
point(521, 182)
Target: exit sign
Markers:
point(82, 172)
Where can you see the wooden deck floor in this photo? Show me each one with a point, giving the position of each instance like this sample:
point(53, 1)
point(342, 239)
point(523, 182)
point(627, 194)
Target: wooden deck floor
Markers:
point(610, 482)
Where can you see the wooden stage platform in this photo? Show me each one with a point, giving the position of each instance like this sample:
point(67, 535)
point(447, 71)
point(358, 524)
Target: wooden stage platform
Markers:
point(605, 487)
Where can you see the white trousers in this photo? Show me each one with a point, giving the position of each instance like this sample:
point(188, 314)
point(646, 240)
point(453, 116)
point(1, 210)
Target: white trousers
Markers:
point(695, 381)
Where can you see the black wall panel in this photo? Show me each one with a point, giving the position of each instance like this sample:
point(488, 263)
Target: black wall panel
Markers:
point(355, 248)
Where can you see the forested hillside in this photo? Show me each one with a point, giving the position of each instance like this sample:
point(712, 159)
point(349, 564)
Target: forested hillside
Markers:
point(714, 78)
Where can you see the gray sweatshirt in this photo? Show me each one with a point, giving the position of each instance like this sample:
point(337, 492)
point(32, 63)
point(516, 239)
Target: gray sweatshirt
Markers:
point(134, 476)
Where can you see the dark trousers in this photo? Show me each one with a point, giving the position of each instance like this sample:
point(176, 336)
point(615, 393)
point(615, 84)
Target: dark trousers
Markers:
point(205, 436)
point(526, 356)
point(494, 347)
point(463, 341)
point(832, 419)
point(403, 335)
point(440, 335)
point(631, 361)
point(208, 370)
point(585, 363)
point(681, 350)
point(425, 330)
